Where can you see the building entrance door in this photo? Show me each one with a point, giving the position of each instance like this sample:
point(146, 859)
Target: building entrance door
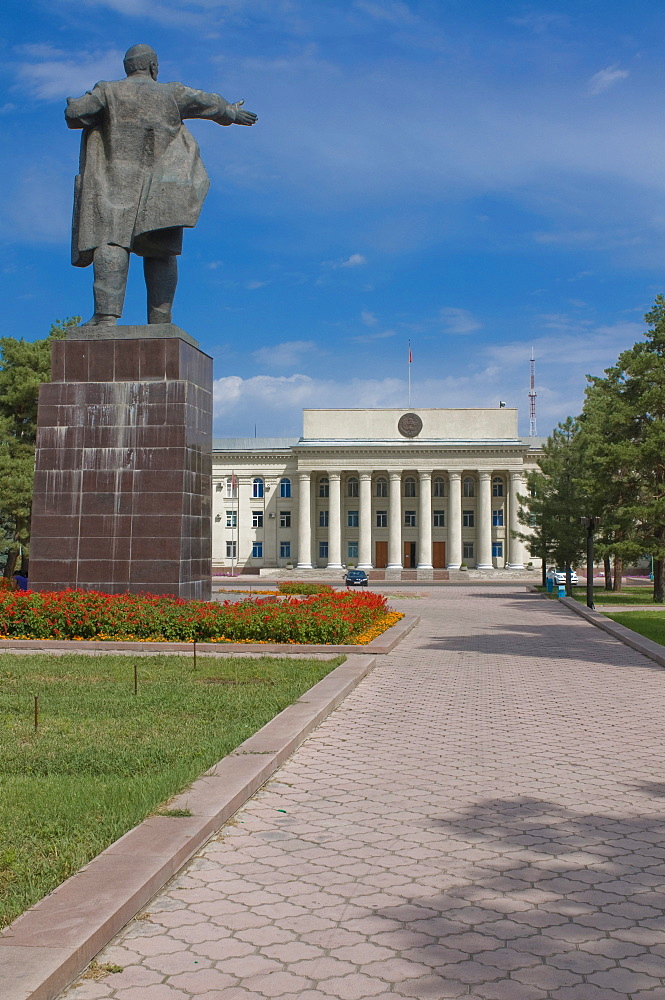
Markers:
point(409, 555)
point(381, 555)
point(439, 555)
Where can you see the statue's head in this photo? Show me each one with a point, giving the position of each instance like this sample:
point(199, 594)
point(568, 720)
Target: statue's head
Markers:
point(139, 59)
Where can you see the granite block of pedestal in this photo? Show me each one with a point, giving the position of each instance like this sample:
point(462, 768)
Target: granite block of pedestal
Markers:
point(123, 467)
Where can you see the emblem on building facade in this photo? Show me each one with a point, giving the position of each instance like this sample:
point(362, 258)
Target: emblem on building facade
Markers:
point(410, 425)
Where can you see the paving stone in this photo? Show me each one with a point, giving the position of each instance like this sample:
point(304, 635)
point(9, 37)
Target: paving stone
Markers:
point(479, 818)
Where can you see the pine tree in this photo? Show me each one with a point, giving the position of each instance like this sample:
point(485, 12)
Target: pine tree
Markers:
point(557, 501)
point(623, 442)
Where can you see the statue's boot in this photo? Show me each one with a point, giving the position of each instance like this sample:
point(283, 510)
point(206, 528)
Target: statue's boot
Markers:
point(161, 278)
point(110, 264)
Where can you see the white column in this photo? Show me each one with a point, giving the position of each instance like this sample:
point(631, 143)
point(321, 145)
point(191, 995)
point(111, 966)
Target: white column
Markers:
point(484, 528)
point(515, 545)
point(395, 522)
point(455, 521)
point(425, 521)
point(304, 521)
point(365, 533)
point(335, 522)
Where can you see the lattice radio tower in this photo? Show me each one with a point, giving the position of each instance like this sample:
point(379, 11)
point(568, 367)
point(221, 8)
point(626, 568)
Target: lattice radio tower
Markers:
point(532, 398)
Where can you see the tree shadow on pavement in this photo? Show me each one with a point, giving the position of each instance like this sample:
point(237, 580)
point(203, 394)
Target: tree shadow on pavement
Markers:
point(538, 901)
point(555, 639)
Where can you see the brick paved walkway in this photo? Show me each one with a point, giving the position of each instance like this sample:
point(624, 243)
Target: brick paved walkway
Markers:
point(483, 817)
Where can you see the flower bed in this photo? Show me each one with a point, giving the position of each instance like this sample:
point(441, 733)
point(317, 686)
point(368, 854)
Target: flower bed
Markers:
point(331, 618)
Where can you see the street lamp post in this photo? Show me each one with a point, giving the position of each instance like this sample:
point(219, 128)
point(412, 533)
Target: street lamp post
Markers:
point(590, 523)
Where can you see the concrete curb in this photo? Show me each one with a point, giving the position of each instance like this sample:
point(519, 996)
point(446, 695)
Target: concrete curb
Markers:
point(648, 647)
point(383, 643)
point(50, 944)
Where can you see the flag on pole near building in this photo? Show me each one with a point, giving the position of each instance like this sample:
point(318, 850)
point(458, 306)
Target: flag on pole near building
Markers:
point(410, 354)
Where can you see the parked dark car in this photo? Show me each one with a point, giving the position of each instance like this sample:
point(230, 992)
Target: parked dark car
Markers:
point(356, 578)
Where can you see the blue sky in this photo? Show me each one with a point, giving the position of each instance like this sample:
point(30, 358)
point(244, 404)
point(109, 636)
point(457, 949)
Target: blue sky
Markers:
point(478, 177)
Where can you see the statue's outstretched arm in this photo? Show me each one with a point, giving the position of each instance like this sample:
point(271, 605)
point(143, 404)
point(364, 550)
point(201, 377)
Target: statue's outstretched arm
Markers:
point(198, 104)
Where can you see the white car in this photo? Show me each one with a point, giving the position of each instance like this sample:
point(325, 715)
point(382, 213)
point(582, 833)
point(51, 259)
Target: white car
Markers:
point(559, 576)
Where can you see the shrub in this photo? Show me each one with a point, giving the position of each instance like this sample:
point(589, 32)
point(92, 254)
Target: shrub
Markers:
point(304, 588)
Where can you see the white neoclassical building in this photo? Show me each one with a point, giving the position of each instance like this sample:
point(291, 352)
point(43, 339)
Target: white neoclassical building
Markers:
point(413, 492)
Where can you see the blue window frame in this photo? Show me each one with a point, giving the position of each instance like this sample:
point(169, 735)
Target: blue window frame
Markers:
point(352, 550)
point(257, 550)
point(323, 550)
point(323, 519)
point(285, 550)
point(257, 488)
point(497, 518)
point(497, 550)
point(352, 519)
point(285, 488)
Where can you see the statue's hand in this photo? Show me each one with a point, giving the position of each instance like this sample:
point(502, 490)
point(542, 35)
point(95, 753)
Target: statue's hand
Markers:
point(244, 117)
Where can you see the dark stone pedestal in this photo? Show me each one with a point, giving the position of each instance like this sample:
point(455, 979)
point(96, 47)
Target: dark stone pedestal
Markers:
point(122, 498)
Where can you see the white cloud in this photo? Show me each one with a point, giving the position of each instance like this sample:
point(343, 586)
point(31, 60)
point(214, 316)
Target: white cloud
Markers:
point(355, 260)
point(606, 78)
point(459, 321)
point(369, 338)
point(368, 318)
point(251, 286)
point(285, 355)
point(58, 76)
point(391, 11)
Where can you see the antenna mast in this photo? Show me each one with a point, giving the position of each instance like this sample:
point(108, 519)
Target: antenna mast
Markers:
point(532, 397)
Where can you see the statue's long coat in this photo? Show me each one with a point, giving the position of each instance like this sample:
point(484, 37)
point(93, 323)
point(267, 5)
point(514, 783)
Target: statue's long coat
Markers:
point(140, 168)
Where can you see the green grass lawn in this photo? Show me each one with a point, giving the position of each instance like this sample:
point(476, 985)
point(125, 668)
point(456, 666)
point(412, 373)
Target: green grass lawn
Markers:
point(629, 595)
point(650, 624)
point(102, 759)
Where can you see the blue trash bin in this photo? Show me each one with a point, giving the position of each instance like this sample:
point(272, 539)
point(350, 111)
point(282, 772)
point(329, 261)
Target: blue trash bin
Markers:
point(562, 590)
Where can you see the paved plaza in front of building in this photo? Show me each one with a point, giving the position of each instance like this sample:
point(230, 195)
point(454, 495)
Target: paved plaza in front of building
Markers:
point(484, 816)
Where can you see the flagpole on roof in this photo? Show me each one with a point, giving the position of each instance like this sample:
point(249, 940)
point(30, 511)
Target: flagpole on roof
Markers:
point(409, 370)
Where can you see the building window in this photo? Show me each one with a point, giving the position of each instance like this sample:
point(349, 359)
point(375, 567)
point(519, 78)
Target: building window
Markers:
point(497, 486)
point(467, 550)
point(382, 518)
point(497, 550)
point(324, 486)
point(285, 518)
point(257, 488)
point(257, 550)
point(285, 488)
point(323, 519)
point(438, 487)
point(232, 519)
point(352, 519)
point(409, 518)
point(409, 487)
point(352, 487)
point(257, 518)
point(468, 519)
point(382, 487)
point(468, 487)
point(285, 550)
point(231, 550)
point(323, 550)
point(497, 518)
point(439, 519)
point(232, 486)
point(352, 550)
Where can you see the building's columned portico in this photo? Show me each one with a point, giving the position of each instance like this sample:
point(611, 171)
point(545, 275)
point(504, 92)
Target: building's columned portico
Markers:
point(378, 489)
